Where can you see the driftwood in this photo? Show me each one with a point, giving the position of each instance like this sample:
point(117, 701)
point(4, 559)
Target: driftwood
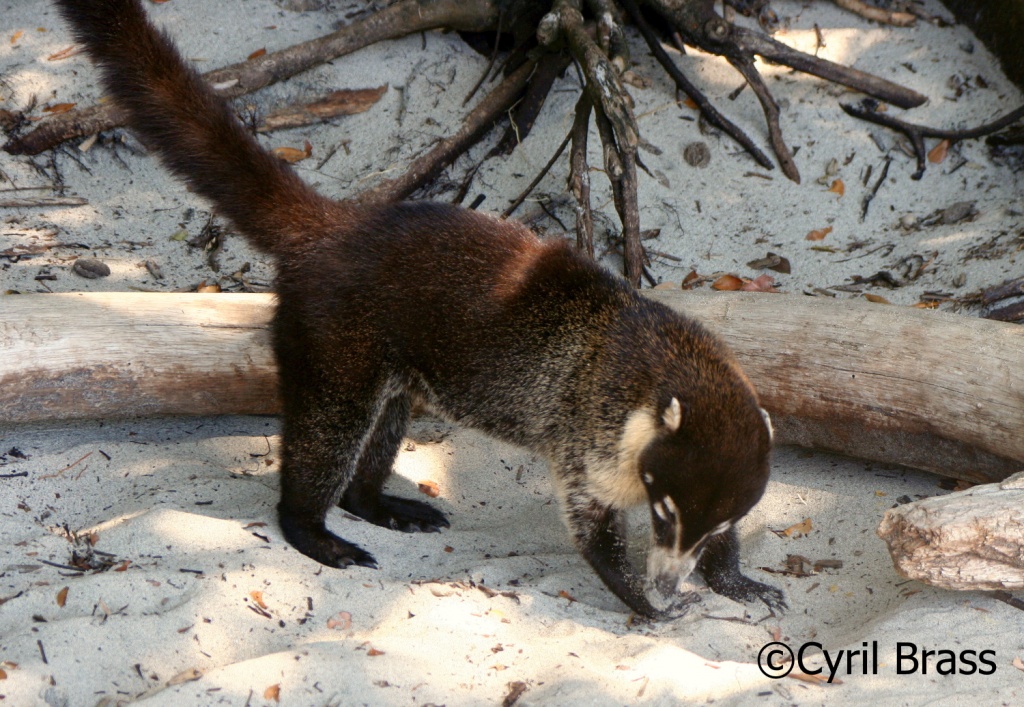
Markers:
point(968, 540)
point(925, 389)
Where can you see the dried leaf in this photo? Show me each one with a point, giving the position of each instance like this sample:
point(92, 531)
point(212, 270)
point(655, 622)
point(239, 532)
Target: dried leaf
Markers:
point(257, 54)
point(727, 283)
point(343, 102)
point(690, 281)
point(255, 524)
point(772, 261)
point(515, 691)
point(877, 299)
point(761, 283)
point(802, 528)
point(819, 234)
point(373, 652)
point(838, 187)
point(123, 566)
point(566, 595)
point(257, 597)
point(3, 674)
point(933, 304)
point(58, 108)
point(690, 103)
point(341, 621)
point(818, 679)
point(62, 597)
point(430, 488)
point(1018, 663)
point(938, 153)
point(449, 548)
point(64, 53)
point(273, 693)
point(203, 287)
point(189, 675)
point(16, 36)
point(292, 155)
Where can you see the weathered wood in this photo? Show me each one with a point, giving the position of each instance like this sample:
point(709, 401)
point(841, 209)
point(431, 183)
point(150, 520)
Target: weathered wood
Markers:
point(968, 540)
point(68, 356)
point(925, 389)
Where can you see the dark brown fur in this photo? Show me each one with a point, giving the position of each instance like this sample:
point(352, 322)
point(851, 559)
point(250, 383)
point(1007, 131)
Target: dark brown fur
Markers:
point(489, 325)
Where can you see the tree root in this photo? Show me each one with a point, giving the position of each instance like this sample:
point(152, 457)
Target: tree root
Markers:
point(239, 79)
point(547, 36)
point(917, 133)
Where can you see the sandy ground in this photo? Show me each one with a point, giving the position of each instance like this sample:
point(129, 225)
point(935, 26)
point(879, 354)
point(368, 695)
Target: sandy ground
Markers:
point(213, 607)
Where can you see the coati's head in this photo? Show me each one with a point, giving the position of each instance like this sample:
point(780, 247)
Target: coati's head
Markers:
point(702, 470)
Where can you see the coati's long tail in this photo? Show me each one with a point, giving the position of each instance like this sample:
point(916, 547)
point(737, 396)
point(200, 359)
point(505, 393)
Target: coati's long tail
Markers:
point(194, 131)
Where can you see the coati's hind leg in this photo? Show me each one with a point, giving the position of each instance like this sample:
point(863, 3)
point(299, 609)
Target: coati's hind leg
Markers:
point(330, 409)
point(363, 496)
point(719, 564)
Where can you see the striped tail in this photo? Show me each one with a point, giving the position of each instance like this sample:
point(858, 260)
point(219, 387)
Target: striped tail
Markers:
point(194, 132)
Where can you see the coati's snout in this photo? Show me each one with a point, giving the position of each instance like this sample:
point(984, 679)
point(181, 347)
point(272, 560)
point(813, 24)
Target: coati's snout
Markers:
point(700, 481)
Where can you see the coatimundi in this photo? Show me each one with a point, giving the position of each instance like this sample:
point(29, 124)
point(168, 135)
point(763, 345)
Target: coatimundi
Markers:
point(488, 325)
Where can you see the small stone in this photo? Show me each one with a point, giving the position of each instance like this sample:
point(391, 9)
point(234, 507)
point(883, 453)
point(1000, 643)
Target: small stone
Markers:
point(697, 154)
point(90, 268)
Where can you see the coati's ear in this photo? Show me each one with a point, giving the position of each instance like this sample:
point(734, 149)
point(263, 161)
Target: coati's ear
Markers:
point(673, 415)
point(768, 423)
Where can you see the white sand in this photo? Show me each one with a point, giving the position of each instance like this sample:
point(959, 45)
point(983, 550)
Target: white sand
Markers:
point(177, 497)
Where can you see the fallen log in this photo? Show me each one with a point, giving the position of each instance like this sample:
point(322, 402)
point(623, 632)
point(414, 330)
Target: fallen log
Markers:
point(973, 539)
point(929, 390)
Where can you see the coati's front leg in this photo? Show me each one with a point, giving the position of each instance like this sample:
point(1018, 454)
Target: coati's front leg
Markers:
point(363, 496)
point(719, 564)
point(596, 531)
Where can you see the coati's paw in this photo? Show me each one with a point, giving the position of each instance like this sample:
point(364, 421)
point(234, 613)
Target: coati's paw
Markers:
point(324, 546)
point(744, 589)
point(672, 606)
point(397, 513)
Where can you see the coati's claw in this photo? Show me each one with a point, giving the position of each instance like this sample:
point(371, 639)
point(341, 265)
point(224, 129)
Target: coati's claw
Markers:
point(324, 546)
point(396, 513)
point(743, 589)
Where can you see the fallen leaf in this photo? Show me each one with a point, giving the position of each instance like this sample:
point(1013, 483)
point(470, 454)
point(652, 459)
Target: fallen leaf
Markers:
point(938, 153)
point(877, 299)
point(430, 488)
point(255, 524)
point(292, 155)
point(16, 36)
point(179, 235)
point(273, 693)
point(838, 187)
point(691, 280)
point(1018, 663)
point(926, 305)
point(761, 283)
point(373, 652)
point(203, 287)
point(566, 595)
point(62, 597)
point(341, 621)
point(819, 234)
point(802, 528)
point(64, 53)
point(257, 597)
point(727, 283)
point(814, 679)
point(123, 566)
point(3, 674)
point(515, 691)
point(57, 108)
point(257, 54)
point(772, 261)
point(449, 548)
point(189, 675)
point(690, 103)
